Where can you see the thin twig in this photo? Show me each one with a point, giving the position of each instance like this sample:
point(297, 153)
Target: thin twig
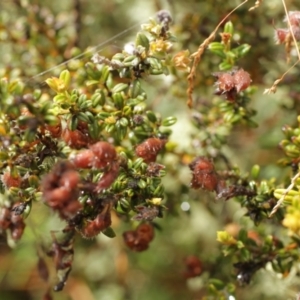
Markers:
point(273, 88)
point(256, 5)
point(197, 57)
point(280, 201)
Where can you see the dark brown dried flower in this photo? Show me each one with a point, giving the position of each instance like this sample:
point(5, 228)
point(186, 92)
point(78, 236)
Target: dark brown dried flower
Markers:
point(146, 213)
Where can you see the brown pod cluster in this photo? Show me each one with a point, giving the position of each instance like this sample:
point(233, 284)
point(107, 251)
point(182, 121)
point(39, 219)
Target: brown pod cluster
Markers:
point(138, 240)
point(98, 156)
point(206, 177)
point(92, 228)
point(231, 83)
point(78, 138)
point(204, 174)
point(101, 155)
point(193, 266)
point(149, 149)
point(282, 35)
point(10, 220)
point(60, 189)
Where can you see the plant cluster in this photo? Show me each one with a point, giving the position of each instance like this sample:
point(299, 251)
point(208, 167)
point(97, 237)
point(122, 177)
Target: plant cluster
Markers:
point(93, 150)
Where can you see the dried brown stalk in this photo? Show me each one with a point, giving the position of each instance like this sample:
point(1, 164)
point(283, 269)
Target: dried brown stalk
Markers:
point(198, 54)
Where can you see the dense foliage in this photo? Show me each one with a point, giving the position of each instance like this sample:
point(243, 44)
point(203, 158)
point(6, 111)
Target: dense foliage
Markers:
point(158, 164)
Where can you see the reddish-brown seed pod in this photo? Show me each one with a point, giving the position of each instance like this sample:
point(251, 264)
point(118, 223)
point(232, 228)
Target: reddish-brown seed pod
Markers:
point(204, 174)
point(60, 189)
point(225, 82)
point(241, 80)
point(193, 267)
point(108, 177)
point(281, 35)
point(139, 239)
point(104, 152)
point(102, 221)
point(84, 159)
point(75, 139)
point(69, 180)
point(10, 181)
point(149, 149)
point(54, 130)
point(145, 232)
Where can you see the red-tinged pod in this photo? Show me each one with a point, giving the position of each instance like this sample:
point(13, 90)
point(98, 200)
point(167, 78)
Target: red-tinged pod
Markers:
point(193, 267)
point(60, 191)
point(54, 130)
point(84, 159)
point(75, 139)
point(138, 240)
point(11, 181)
point(225, 82)
point(281, 35)
point(242, 80)
point(149, 149)
point(104, 152)
point(92, 228)
point(108, 177)
point(145, 232)
point(69, 180)
point(204, 174)
point(70, 209)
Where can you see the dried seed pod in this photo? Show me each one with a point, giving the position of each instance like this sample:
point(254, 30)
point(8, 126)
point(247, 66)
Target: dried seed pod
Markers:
point(149, 149)
point(108, 177)
point(60, 191)
point(241, 80)
point(204, 174)
point(193, 266)
point(225, 82)
point(104, 152)
point(54, 130)
point(281, 35)
point(139, 239)
point(84, 159)
point(145, 232)
point(102, 221)
point(75, 139)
